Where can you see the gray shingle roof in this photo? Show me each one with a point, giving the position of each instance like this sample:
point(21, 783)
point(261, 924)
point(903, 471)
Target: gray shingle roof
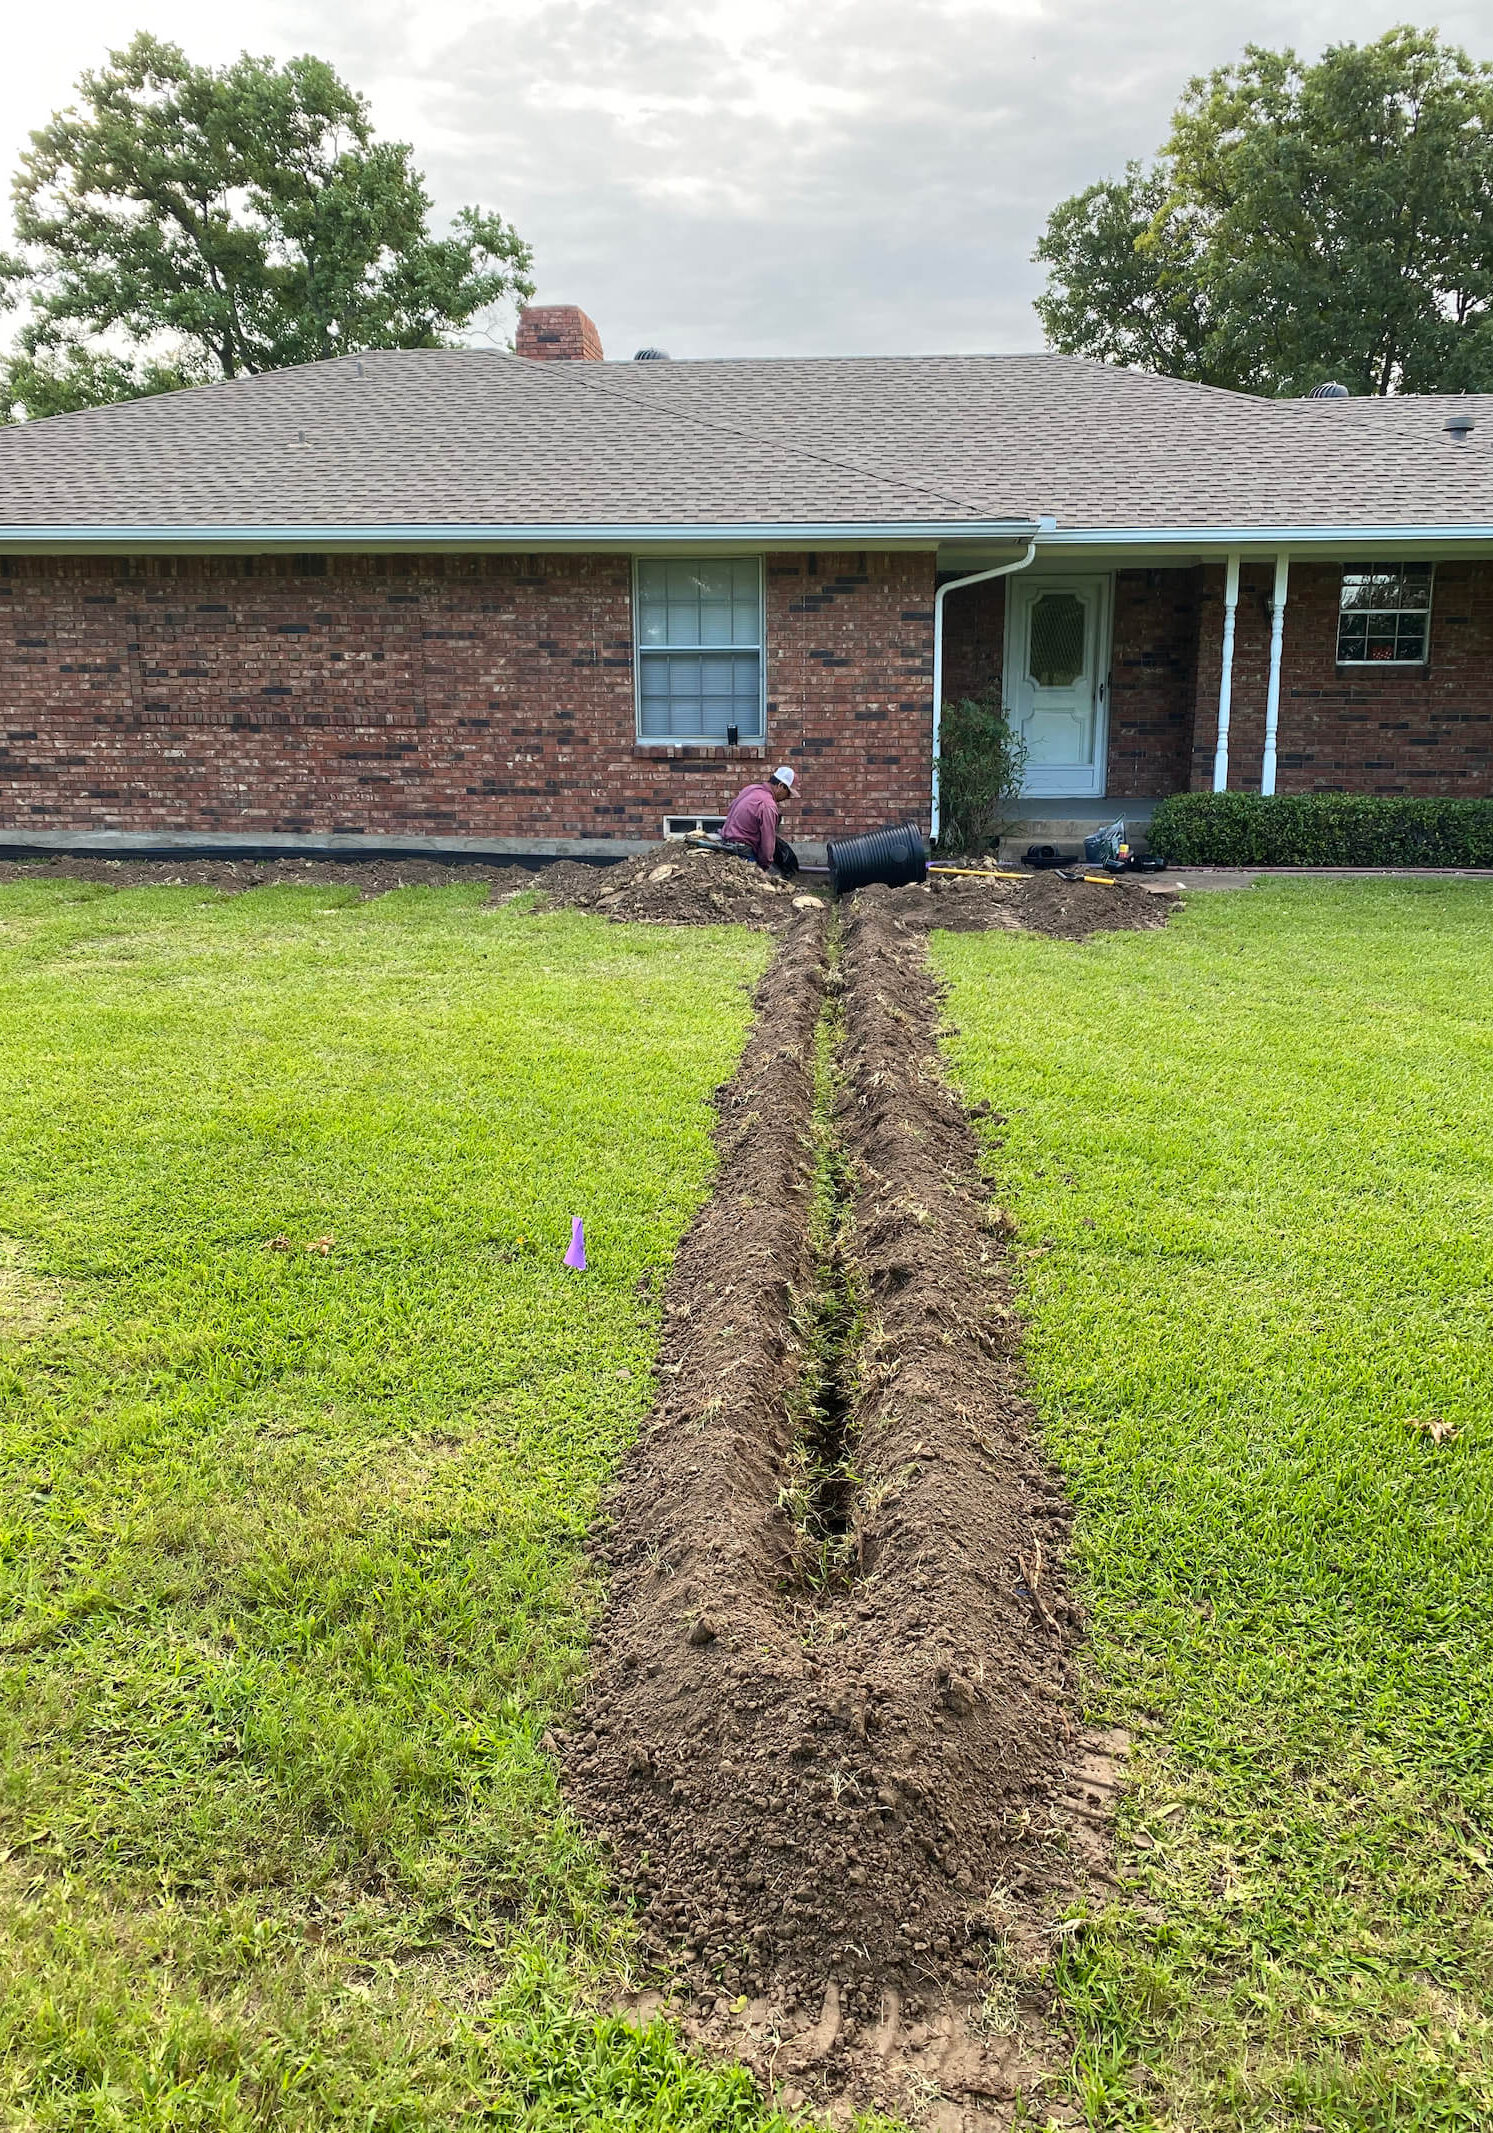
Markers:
point(457, 438)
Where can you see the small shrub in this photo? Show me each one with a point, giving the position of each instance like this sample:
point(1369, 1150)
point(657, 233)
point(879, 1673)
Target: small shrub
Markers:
point(1321, 829)
point(981, 759)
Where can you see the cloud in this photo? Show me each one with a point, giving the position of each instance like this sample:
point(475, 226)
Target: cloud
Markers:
point(742, 179)
point(863, 174)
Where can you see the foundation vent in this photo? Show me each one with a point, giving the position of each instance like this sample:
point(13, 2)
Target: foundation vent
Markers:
point(682, 825)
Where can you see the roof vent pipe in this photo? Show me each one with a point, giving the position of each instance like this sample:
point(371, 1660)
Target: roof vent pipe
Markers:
point(1330, 391)
point(651, 355)
point(1459, 427)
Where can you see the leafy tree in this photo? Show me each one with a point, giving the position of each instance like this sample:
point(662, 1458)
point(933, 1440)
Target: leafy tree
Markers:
point(184, 223)
point(1302, 222)
point(1125, 282)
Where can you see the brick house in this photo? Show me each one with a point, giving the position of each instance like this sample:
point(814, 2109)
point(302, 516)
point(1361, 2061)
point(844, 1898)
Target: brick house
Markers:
point(457, 600)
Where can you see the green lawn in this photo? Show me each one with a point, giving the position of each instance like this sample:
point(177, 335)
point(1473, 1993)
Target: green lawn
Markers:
point(1251, 1159)
point(291, 1563)
point(291, 1570)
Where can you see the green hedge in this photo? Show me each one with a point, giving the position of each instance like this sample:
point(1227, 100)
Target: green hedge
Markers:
point(1321, 829)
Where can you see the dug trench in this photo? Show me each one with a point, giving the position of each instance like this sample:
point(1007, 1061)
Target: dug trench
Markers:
point(831, 1740)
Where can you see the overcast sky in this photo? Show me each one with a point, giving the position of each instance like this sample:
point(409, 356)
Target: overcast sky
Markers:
point(852, 176)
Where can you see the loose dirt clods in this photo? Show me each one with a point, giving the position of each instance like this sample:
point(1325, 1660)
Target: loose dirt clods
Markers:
point(832, 1717)
point(670, 884)
point(674, 883)
point(1037, 903)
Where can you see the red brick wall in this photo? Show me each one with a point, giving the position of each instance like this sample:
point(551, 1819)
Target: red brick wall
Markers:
point(850, 687)
point(1153, 682)
point(1251, 676)
point(1388, 729)
point(1351, 729)
point(492, 696)
point(486, 696)
point(974, 638)
point(1205, 716)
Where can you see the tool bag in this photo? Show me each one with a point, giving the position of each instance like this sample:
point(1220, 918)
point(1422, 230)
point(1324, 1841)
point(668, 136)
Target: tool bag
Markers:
point(1104, 844)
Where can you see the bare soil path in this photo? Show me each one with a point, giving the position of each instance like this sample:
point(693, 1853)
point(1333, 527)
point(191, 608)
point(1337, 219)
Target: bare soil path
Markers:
point(832, 1738)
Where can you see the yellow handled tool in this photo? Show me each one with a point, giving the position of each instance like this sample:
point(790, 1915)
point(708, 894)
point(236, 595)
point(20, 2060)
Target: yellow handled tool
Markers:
point(979, 873)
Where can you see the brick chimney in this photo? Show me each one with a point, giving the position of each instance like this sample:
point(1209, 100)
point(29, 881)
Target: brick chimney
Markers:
point(557, 333)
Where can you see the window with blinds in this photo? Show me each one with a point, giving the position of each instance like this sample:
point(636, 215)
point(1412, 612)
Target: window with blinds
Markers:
point(698, 632)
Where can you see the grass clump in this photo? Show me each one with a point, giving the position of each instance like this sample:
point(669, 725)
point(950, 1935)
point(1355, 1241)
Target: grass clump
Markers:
point(303, 1422)
point(1251, 1161)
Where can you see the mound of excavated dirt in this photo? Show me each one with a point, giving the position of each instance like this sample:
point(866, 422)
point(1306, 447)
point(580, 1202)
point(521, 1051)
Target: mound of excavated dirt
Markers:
point(677, 886)
point(1037, 903)
point(668, 885)
point(835, 1790)
point(370, 877)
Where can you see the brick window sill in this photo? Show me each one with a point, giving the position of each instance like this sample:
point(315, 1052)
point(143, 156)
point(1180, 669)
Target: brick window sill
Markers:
point(684, 752)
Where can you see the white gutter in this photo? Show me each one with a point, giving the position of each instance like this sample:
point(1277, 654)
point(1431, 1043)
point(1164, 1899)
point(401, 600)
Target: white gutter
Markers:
point(978, 577)
point(1226, 675)
point(1272, 692)
point(1268, 537)
point(842, 533)
point(853, 533)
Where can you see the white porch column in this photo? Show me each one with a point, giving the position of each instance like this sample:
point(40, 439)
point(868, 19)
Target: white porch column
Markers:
point(1226, 676)
point(1272, 693)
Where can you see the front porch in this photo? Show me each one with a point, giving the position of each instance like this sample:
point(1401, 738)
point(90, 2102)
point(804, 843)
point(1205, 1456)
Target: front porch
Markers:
point(1123, 674)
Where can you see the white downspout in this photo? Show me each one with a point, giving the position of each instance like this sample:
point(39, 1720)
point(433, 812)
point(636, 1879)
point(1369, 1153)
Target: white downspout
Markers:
point(1226, 676)
point(978, 577)
point(1272, 693)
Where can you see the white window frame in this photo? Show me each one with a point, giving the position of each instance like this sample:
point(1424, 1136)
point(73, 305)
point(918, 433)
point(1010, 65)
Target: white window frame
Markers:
point(640, 652)
point(1368, 570)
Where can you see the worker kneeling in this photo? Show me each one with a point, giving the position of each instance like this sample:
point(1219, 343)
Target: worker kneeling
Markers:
point(750, 830)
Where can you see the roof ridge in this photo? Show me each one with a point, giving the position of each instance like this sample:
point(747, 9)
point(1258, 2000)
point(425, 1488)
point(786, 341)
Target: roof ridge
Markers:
point(728, 429)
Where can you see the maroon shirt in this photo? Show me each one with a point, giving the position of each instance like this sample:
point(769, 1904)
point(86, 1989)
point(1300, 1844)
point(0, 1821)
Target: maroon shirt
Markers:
point(754, 820)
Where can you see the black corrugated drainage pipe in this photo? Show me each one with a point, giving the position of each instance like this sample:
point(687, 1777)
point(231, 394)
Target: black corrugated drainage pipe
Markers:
point(894, 856)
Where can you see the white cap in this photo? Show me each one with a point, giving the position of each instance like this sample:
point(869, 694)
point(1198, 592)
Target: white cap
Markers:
point(784, 776)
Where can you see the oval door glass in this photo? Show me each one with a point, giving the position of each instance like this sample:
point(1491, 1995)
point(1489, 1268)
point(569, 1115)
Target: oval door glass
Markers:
point(1057, 640)
point(1058, 707)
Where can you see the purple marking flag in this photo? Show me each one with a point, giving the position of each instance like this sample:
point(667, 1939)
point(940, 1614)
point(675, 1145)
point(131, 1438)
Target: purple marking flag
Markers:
point(576, 1256)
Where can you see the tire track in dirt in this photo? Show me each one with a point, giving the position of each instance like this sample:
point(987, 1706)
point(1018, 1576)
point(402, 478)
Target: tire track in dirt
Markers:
point(831, 1772)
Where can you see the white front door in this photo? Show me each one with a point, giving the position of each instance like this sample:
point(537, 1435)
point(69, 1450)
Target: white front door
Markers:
point(1057, 680)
